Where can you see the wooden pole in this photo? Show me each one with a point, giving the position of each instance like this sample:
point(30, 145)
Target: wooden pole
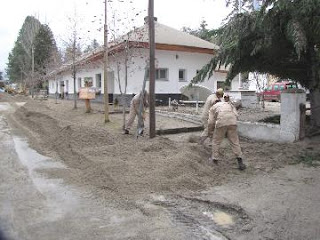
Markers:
point(88, 106)
point(74, 73)
point(32, 70)
point(105, 68)
point(239, 77)
point(152, 117)
point(56, 89)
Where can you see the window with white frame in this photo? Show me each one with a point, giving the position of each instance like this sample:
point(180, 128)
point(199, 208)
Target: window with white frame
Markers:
point(182, 75)
point(88, 81)
point(161, 74)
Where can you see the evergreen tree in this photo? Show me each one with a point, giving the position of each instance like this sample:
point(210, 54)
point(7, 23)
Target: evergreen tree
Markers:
point(282, 38)
point(72, 52)
point(46, 50)
point(34, 42)
point(18, 64)
point(202, 32)
point(94, 44)
point(20, 58)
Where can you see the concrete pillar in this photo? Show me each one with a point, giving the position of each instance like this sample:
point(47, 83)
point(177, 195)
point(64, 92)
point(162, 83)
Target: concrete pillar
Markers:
point(290, 115)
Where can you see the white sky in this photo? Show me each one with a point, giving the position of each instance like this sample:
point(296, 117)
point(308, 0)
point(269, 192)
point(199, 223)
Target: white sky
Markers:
point(128, 13)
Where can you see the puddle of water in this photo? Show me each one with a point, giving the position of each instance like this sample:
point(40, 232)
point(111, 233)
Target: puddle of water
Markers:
point(4, 106)
point(186, 212)
point(59, 199)
point(220, 218)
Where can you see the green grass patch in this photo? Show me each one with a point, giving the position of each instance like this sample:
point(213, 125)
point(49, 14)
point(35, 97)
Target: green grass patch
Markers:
point(309, 159)
point(273, 119)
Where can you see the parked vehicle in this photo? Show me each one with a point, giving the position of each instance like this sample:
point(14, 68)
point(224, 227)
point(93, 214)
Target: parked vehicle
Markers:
point(273, 92)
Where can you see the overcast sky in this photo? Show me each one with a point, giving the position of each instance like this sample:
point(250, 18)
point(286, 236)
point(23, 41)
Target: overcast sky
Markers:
point(90, 15)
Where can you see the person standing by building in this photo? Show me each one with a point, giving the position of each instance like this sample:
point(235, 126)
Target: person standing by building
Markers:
point(211, 100)
point(134, 108)
point(223, 122)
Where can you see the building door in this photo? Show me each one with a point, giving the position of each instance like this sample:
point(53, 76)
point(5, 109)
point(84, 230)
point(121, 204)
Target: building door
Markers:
point(62, 89)
point(67, 89)
point(110, 85)
point(111, 82)
point(98, 81)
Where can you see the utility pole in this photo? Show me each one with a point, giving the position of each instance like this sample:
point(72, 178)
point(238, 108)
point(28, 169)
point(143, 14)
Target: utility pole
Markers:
point(152, 115)
point(105, 67)
point(74, 72)
point(32, 69)
point(239, 10)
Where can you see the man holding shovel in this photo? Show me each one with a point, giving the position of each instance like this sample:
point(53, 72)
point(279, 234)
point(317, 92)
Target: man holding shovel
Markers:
point(142, 98)
point(223, 123)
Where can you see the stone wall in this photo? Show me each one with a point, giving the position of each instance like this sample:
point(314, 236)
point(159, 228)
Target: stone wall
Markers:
point(287, 131)
point(289, 128)
point(265, 132)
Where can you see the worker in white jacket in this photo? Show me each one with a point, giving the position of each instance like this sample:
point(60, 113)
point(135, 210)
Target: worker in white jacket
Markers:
point(134, 109)
point(211, 100)
point(223, 122)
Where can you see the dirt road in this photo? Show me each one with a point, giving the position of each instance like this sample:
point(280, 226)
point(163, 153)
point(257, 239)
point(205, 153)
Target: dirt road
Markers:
point(93, 182)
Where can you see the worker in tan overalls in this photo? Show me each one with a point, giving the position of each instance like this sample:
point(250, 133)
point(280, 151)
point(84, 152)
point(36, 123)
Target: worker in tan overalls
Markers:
point(134, 109)
point(223, 122)
point(211, 100)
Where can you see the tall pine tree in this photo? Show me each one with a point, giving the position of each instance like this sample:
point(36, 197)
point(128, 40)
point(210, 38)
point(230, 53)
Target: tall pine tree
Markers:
point(34, 42)
point(20, 58)
point(45, 50)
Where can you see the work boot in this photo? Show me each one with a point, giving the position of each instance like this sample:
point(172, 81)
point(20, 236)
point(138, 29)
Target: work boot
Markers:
point(241, 165)
point(140, 132)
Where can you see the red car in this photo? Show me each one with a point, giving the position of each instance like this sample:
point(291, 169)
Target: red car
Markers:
point(273, 92)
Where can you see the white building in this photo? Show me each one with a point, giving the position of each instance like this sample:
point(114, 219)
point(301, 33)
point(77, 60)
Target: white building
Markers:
point(179, 56)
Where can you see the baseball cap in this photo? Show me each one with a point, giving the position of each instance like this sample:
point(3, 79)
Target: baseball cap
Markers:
point(219, 91)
